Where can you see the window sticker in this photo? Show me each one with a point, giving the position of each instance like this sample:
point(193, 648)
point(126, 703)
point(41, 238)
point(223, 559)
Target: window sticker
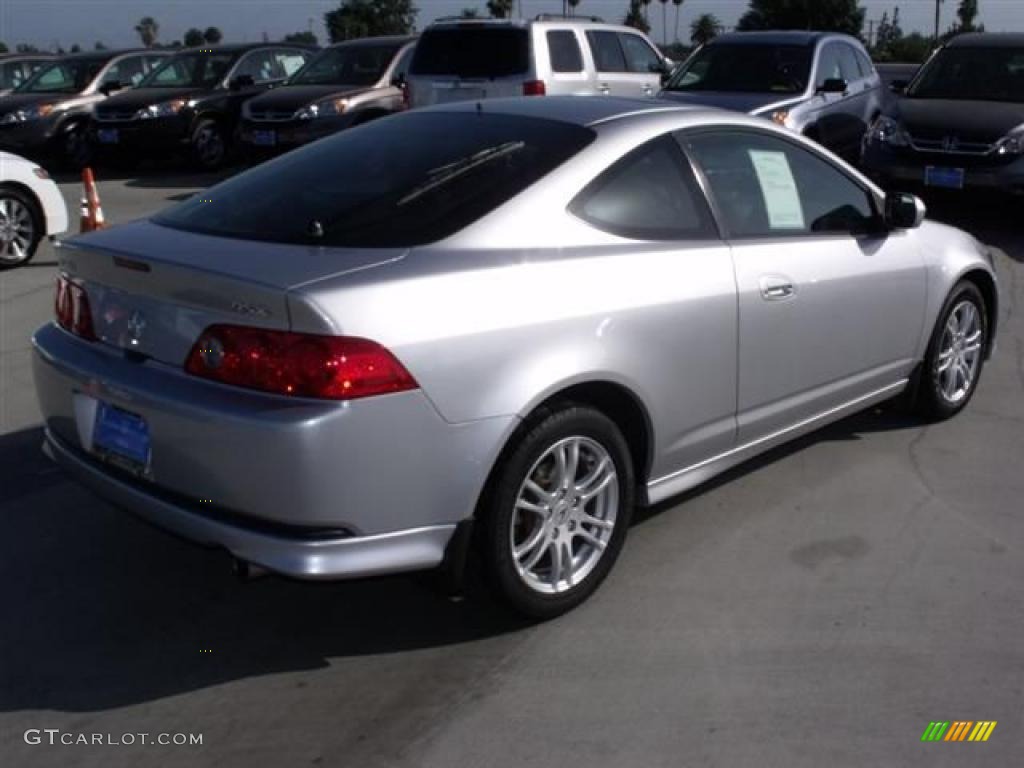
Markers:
point(781, 198)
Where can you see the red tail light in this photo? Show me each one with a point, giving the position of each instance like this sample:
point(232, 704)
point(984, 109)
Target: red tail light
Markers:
point(534, 88)
point(71, 306)
point(298, 364)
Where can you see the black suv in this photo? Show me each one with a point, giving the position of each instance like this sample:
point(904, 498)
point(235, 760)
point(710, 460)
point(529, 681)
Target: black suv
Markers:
point(192, 102)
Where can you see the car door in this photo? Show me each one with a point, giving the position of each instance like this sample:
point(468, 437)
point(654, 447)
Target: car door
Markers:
point(831, 308)
point(830, 114)
point(644, 65)
point(677, 333)
point(609, 59)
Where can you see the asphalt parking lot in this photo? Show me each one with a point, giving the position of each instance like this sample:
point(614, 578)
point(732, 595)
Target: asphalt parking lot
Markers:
point(817, 606)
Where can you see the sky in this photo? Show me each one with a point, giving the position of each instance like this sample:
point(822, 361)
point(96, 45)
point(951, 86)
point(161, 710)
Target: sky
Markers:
point(49, 23)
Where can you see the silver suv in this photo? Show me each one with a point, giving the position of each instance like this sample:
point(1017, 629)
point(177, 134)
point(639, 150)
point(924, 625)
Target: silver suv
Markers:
point(462, 60)
point(820, 84)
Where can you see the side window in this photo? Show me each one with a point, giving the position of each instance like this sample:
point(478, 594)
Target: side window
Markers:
point(402, 67)
point(649, 194)
point(829, 66)
point(289, 62)
point(152, 62)
point(848, 64)
point(867, 69)
point(259, 65)
point(639, 55)
point(12, 76)
point(564, 50)
point(768, 187)
point(126, 72)
point(607, 52)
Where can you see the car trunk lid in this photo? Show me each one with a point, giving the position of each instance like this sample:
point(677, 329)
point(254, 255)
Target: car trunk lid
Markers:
point(153, 290)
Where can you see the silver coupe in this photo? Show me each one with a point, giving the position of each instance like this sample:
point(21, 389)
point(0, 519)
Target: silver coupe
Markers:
point(496, 325)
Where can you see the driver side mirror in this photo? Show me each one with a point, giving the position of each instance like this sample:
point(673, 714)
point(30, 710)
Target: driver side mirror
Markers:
point(108, 88)
point(904, 211)
point(239, 82)
point(898, 87)
point(398, 81)
point(833, 85)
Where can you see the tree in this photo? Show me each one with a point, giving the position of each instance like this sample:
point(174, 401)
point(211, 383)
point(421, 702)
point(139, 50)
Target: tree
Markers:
point(572, 7)
point(966, 13)
point(3, 48)
point(470, 13)
point(828, 15)
point(305, 38)
point(194, 38)
point(369, 18)
point(26, 48)
point(76, 48)
point(635, 17)
point(912, 49)
point(500, 9)
point(704, 28)
point(99, 46)
point(647, 15)
point(148, 30)
point(678, 4)
point(212, 35)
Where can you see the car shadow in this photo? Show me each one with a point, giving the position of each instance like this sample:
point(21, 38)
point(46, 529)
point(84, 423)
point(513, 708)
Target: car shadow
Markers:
point(104, 611)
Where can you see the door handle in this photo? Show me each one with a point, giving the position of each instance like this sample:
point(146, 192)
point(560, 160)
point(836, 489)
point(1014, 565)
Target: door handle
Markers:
point(603, 88)
point(777, 288)
point(648, 90)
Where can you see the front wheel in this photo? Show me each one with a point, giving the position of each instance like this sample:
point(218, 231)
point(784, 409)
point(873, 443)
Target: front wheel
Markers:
point(556, 517)
point(956, 353)
point(21, 227)
point(209, 145)
point(75, 151)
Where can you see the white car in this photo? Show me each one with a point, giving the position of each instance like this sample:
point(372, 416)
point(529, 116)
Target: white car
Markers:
point(31, 207)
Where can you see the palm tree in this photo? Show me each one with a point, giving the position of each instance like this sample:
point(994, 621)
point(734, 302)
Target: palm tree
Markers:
point(572, 7)
point(678, 4)
point(148, 29)
point(704, 28)
point(647, 18)
point(500, 9)
point(664, 22)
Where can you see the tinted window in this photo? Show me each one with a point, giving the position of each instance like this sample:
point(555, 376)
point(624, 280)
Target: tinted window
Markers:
point(125, 72)
point(289, 62)
point(259, 65)
point(745, 68)
point(202, 70)
point(472, 51)
point(348, 65)
point(69, 76)
point(848, 63)
point(867, 69)
point(767, 187)
point(984, 74)
point(830, 66)
point(647, 195)
point(608, 56)
point(397, 182)
point(12, 75)
point(639, 55)
point(565, 52)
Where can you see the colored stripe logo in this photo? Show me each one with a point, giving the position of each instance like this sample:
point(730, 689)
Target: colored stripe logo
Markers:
point(959, 730)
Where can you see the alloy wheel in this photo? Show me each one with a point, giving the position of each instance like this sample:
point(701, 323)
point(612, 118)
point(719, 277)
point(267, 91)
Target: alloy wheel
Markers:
point(956, 366)
point(17, 231)
point(564, 515)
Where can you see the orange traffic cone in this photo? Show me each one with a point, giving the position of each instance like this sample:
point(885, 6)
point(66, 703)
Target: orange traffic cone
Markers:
point(93, 219)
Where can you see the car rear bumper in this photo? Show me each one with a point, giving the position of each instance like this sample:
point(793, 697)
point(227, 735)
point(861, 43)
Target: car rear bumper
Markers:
point(889, 166)
point(299, 556)
point(319, 489)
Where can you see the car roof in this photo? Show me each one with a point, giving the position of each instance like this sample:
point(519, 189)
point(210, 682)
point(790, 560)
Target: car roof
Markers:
point(27, 55)
point(987, 40)
point(775, 37)
point(578, 110)
point(107, 55)
point(242, 47)
point(382, 40)
point(542, 20)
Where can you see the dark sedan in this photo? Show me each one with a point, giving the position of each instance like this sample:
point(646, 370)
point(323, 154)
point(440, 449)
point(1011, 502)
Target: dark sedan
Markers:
point(191, 104)
point(344, 85)
point(960, 121)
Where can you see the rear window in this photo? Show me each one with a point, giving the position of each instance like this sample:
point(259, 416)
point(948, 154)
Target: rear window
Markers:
point(397, 182)
point(472, 51)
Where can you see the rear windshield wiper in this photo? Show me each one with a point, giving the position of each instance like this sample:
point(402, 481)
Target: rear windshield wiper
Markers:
point(445, 173)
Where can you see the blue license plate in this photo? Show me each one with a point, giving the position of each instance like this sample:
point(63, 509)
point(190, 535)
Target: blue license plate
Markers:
point(264, 138)
point(108, 135)
point(947, 178)
point(121, 437)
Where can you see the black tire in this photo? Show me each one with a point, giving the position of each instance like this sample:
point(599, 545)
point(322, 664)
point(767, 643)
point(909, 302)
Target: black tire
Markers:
point(28, 202)
point(209, 144)
point(538, 435)
point(932, 400)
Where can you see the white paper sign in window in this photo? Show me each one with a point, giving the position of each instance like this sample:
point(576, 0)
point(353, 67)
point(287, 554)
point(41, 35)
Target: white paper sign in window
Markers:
point(781, 198)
